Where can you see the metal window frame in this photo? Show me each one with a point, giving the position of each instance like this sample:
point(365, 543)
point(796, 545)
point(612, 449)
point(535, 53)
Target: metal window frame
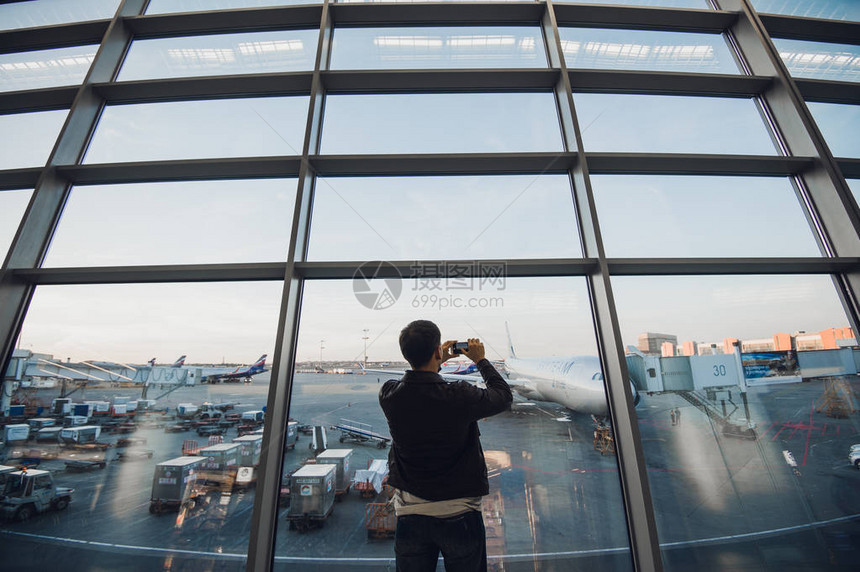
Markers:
point(819, 177)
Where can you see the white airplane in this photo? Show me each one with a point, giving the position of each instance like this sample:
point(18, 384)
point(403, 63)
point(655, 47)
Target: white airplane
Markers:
point(575, 382)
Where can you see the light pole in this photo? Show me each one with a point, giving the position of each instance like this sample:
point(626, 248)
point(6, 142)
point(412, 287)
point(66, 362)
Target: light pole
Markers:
point(365, 338)
point(321, 349)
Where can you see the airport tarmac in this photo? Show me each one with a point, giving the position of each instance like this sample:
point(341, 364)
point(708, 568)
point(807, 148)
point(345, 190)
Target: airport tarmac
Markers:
point(555, 502)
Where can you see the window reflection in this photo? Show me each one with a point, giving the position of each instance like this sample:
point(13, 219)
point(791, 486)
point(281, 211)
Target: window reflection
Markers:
point(839, 123)
point(39, 130)
point(136, 365)
point(671, 124)
point(701, 217)
point(544, 472)
point(407, 48)
point(12, 207)
point(45, 68)
point(437, 123)
point(50, 12)
point(385, 218)
point(831, 9)
point(646, 50)
point(221, 54)
point(819, 60)
point(199, 129)
point(739, 419)
point(175, 223)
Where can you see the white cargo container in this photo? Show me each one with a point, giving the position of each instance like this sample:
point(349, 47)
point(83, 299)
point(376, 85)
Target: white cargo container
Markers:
point(49, 435)
point(99, 407)
point(74, 420)
point(186, 410)
point(249, 449)
point(80, 435)
point(311, 495)
point(255, 416)
point(340, 459)
point(17, 432)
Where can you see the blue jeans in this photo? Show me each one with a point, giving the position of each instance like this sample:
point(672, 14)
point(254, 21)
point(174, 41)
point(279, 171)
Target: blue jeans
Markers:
point(461, 539)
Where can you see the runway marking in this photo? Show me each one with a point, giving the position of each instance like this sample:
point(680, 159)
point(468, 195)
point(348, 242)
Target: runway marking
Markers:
point(369, 560)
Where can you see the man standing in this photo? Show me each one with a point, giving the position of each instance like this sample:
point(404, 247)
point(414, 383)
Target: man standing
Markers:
point(436, 464)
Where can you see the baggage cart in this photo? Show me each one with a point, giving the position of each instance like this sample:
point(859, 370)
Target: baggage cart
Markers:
point(358, 432)
point(174, 484)
point(311, 496)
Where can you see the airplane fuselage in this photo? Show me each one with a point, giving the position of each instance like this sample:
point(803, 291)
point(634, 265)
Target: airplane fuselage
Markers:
point(574, 382)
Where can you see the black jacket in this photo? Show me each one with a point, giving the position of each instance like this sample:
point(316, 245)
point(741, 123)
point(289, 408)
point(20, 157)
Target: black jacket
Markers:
point(435, 452)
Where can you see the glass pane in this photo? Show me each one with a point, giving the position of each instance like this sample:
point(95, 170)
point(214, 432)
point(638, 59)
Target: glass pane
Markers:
point(46, 68)
point(175, 223)
point(832, 9)
point(840, 124)
point(819, 60)
point(113, 346)
point(701, 4)
point(28, 138)
point(200, 129)
point(736, 472)
point(386, 218)
point(167, 6)
point(12, 207)
point(412, 48)
point(854, 185)
point(221, 54)
point(646, 50)
point(436, 123)
point(50, 12)
point(671, 124)
point(692, 216)
point(540, 456)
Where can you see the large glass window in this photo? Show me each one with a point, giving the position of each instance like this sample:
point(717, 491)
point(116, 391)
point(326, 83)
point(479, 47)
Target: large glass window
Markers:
point(441, 123)
point(854, 185)
point(738, 442)
point(541, 454)
point(427, 218)
point(45, 68)
point(410, 48)
point(12, 207)
point(839, 123)
point(701, 4)
point(671, 124)
point(831, 9)
point(819, 60)
point(37, 13)
point(687, 217)
point(646, 50)
point(29, 137)
point(152, 375)
point(200, 129)
point(175, 223)
point(221, 54)
point(167, 6)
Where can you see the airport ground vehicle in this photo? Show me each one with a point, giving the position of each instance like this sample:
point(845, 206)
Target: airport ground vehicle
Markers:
point(343, 472)
point(134, 455)
point(311, 496)
point(80, 466)
point(80, 435)
point(854, 455)
point(358, 432)
point(29, 492)
point(207, 430)
point(174, 484)
point(178, 427)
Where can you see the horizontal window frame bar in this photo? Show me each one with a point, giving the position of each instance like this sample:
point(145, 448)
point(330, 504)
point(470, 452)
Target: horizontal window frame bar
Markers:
point(850, 167)
point(436, 14)
point(341, 82)
point(643, 18)
point(287, 166)
point(515, 268)
point(242, 20)
point(207, 87)
point(813, 29)
point(48, 37)
point(43, 99)
point(829, 91)
point(182, 170)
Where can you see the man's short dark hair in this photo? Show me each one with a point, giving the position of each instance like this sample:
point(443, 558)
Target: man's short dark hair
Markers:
point(418, 341)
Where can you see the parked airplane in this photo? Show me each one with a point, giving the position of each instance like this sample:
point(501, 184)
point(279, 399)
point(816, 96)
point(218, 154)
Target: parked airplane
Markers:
point(575, 382)
point(180, 362)
point(214, 375)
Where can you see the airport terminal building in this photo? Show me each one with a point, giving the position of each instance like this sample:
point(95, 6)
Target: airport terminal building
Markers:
point(220, 179)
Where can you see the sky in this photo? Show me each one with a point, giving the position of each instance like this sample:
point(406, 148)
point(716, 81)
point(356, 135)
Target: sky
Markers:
point(409, 218)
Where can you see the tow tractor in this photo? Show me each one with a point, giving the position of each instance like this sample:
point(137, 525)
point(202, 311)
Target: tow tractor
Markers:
point(29, 492)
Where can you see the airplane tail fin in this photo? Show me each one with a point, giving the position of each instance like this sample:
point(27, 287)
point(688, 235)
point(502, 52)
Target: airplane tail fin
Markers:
point(511, 352)
point(260, 362)
point(180, 362)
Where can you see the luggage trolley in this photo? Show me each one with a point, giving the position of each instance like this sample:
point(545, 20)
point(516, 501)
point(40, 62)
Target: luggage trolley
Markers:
point(360, 433)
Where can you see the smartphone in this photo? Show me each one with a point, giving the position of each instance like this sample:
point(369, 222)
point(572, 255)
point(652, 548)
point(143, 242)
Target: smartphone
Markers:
point(458, 347)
